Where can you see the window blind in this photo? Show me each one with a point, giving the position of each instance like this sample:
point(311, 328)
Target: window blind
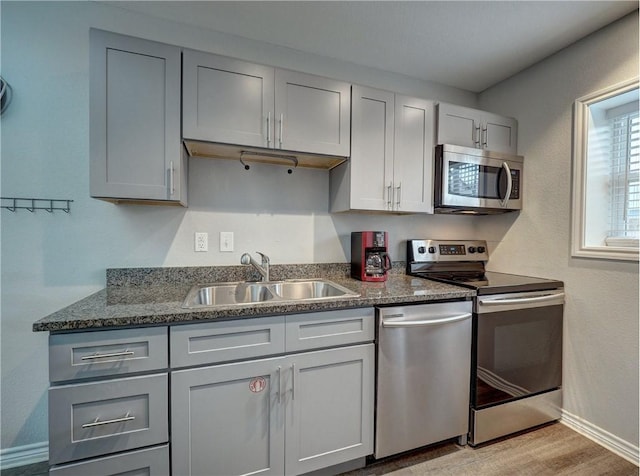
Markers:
point(625, 176)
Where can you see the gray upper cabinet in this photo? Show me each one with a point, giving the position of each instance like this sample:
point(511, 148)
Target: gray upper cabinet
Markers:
point(392, 148)
point(468, 127)
point(135, 147)
point(312, 114)
point(229, 101)
point(413, 155)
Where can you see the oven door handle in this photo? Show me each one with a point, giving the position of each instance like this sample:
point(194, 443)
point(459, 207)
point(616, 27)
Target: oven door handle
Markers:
point(432, 322)
point(499, 301)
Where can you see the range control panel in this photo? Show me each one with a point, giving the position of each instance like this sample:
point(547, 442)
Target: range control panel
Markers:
point(433, 251)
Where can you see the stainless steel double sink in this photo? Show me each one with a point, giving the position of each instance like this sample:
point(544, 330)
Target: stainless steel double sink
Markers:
point(237, 293)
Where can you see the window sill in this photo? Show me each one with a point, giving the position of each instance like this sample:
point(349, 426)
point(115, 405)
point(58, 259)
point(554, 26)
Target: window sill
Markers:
point(622, 242)
point(618, 253)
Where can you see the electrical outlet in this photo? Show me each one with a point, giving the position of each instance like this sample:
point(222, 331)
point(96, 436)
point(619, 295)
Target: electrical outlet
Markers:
point(226, 241)
point(201, 242)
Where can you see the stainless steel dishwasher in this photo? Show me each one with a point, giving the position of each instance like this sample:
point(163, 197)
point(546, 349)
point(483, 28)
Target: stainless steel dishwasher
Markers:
point(423, 375)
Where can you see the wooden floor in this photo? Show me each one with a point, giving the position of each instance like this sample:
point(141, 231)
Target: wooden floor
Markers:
point(550, 450)
point(553, 450)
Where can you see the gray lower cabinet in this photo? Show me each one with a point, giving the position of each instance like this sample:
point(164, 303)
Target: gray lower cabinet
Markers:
point(109, 402)
point(279, 416)
point(279, 395)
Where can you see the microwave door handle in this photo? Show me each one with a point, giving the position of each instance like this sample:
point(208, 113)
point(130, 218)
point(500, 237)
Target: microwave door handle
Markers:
point(507, 195)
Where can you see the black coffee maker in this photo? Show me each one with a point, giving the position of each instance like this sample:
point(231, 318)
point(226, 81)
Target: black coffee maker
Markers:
point(370, 260)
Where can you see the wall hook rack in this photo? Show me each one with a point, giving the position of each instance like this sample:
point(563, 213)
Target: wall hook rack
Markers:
point(32, 204)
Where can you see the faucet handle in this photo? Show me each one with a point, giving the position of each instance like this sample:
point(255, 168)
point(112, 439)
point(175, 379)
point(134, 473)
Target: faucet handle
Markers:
point(245, 259)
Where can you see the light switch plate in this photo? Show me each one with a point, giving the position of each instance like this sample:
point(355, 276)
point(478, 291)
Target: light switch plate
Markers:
point(226, 241)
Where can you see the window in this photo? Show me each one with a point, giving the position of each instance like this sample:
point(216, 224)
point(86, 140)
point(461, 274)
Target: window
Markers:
point(606, 174)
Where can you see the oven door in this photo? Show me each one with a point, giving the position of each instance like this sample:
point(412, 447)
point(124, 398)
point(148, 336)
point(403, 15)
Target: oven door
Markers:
point(517, 346)
point(477, 180)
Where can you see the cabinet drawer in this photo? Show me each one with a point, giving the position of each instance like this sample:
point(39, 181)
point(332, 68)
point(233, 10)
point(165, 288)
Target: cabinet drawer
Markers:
point(102, 353)
point(326, 329)
point(92, 419)
point(213, 342)
point(147, 462)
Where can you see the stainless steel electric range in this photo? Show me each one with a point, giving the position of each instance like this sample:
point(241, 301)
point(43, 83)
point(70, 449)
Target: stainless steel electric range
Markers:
point(516, 354)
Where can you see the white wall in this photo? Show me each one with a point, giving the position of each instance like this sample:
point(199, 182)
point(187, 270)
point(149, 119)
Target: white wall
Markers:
point(52, 260)
point(601, 316)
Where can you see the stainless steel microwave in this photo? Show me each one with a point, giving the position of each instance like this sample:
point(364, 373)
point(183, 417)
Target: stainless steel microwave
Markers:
point(476, 181)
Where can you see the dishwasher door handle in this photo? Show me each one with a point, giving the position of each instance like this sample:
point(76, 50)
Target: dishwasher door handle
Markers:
point(432, 322)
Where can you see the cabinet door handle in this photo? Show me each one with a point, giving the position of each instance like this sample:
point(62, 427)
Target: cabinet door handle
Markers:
point(279, 384)
point(106, 356)
point(172, 189)
point(269, 129)
point(97, 421)
point(281, 125)
point(389, 197)
point(398, 188)
point(484, 137)
point(476, 139)
point(293, 381)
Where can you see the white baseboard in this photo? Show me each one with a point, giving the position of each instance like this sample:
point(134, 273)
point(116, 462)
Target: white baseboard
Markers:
point(611, 442)
point(23, 455)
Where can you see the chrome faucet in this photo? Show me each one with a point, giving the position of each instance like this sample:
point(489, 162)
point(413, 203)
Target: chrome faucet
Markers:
point(262, 269)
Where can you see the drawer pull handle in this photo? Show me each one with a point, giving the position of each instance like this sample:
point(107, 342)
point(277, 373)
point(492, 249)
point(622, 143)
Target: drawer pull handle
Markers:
point(97, 422)
point(104, 356)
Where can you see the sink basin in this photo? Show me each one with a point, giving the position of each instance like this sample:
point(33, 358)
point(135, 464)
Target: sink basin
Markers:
point(309, 289)
point(227, 294)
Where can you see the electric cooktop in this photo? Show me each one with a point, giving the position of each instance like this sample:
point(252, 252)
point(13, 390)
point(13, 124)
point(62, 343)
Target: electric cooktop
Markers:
point(462, 262)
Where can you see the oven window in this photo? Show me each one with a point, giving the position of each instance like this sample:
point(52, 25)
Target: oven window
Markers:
point(518, 353)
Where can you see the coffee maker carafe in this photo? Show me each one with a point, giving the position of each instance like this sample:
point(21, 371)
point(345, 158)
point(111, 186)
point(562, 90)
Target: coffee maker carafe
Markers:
point(369, 258)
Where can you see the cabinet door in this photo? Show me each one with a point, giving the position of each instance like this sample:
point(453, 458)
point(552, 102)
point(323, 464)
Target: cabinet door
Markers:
point(458, 125)
point(135, 146)
point(500, 134)
point(413, 158)
point(329, 417)
point(228, 420)
point(371, 174)
point(227, 100)
point(312, 114)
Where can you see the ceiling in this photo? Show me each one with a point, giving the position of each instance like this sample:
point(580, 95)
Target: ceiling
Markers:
point(466, 44)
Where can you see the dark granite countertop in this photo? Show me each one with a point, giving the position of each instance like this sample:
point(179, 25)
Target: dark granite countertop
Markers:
point(143, 297)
